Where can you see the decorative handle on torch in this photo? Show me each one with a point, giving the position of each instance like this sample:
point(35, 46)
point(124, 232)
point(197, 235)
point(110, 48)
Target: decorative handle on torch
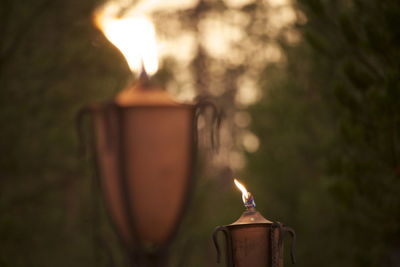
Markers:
point(228, 242)
point(276, 243)
point(293, 243)
point(216, 117)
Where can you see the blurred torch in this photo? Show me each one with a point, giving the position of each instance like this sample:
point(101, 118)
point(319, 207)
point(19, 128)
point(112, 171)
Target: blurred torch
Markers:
point(145, 146)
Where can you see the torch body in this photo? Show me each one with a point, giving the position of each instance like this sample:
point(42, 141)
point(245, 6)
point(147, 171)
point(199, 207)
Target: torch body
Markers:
point(256, 245)
point(145, 158)
point(253, 241)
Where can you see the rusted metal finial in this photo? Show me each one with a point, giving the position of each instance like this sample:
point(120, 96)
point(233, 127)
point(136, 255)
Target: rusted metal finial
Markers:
point(144, 79)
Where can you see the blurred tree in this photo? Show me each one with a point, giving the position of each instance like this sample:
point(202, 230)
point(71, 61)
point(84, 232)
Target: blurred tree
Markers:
point(364, 69)
point(52, 61)
point(330, 127)
point(325, 160)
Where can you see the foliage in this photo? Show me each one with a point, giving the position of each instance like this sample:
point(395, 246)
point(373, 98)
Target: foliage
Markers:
point(52, 62)
point(331, 127)
point(328, 122)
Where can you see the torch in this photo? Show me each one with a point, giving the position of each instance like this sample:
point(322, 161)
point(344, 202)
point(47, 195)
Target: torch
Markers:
point(253, 240)
point(145, 147)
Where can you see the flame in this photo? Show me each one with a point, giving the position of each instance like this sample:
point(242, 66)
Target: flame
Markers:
point(245, 193)
point(133, 35)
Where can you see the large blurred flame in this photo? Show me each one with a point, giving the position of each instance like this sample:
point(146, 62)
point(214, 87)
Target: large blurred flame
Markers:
point(134, 36)
point(245, 193)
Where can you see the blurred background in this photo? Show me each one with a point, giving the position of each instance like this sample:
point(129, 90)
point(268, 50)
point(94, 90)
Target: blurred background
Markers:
point(310, 92)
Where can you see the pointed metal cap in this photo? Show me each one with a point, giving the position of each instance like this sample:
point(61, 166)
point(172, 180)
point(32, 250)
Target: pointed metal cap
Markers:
point(251, 216)
point(143, 93)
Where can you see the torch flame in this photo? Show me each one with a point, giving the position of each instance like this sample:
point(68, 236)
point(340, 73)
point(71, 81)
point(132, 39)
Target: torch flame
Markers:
point(134, 36)
point(245, 193)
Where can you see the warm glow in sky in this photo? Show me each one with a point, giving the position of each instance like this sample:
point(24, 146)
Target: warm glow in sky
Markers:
point(231, 38)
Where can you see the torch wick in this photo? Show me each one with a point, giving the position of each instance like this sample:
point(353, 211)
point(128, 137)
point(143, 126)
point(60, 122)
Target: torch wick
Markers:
point(249, 202)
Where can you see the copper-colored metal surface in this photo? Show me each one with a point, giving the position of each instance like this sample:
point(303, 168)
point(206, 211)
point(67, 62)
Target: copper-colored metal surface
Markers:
point(108, 158)
point(159, 151)
point(155, 157)
point(253, 241)
point(145, 147)
point(144, 153)
point(250, 245)
point(251, 216)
